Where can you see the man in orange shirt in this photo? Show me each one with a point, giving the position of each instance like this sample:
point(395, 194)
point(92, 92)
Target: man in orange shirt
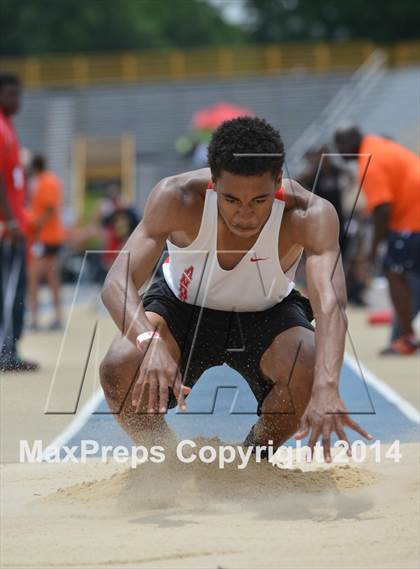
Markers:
point(390, 176)
point(47, 236)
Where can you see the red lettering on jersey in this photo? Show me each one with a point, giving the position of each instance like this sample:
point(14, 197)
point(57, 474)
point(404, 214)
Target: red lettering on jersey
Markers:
point(184, 283)
point(281, 194)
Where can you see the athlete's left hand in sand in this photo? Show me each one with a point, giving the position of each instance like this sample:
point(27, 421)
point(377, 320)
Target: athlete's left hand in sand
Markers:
point(324, 415)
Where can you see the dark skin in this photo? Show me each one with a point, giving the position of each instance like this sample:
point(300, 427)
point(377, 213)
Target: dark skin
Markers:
point(174, 212)
point(381, 216)
point(399, 287)
point(10, 95)
point(348, 141)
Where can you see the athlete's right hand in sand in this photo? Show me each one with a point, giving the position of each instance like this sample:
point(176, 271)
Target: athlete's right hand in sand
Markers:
point(326, 414)
point(159, 372)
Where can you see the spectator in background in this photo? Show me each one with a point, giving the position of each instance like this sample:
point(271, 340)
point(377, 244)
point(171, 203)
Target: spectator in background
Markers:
point(47, 236)
point(108, 229)
point(12, 231)
point(322, 176)
point(118, 221)
point(391, 184)
point(355, 239)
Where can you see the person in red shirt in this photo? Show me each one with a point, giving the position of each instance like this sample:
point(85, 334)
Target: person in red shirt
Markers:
point(390, 177)
point(12, 231)
point(46, 235)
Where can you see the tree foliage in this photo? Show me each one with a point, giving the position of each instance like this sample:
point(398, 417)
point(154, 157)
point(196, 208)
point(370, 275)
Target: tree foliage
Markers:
point(60, 26)
point(30, 27)
point(381, 21)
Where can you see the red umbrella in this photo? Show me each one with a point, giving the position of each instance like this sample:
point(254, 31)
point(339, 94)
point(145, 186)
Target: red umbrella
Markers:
point(212, 117)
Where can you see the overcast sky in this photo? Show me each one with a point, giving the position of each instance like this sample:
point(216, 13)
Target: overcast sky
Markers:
point(232, 10)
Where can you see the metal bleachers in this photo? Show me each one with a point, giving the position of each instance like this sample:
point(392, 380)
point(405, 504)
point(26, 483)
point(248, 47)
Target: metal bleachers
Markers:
point(156, 114)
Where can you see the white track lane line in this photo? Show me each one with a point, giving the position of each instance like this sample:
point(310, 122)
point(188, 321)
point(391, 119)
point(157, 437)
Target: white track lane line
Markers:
point(77, 424)
point(91, 404)
point(383, 389)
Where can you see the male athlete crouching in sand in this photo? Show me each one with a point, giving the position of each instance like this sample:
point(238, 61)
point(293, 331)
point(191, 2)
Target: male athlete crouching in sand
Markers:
point(235, 234)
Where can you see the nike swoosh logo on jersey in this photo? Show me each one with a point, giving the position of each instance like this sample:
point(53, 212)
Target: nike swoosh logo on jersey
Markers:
point(256, 259)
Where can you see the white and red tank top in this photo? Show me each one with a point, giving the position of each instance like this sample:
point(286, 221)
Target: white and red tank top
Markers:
point(256, 283)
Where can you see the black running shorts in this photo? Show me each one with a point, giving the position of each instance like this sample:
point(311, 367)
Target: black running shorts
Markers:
point(209, 338)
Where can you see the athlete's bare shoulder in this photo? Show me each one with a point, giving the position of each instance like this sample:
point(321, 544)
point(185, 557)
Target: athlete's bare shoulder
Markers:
point(297, 199)
point(308, 217)
point(176, 202)
point(192, 182)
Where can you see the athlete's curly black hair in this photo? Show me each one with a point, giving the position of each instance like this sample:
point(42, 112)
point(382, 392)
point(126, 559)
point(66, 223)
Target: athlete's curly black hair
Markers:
point(246, 135)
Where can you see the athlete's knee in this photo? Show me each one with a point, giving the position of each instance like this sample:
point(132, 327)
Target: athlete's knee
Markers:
point(305, 356)
point(108, 374)
point(114, 372)
point(294, 362)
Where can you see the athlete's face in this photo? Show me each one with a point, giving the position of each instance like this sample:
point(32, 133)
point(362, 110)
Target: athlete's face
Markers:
point(245, 202)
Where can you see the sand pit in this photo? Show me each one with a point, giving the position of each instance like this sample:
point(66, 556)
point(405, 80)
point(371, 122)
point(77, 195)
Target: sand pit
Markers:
point(178, 515)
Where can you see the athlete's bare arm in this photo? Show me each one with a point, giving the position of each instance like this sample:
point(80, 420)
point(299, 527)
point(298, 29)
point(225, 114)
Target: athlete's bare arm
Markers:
point(168, 210)
point(316, 229)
